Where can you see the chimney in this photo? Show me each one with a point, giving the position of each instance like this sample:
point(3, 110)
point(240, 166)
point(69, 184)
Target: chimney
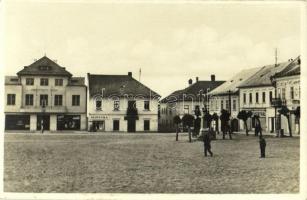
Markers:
point(130, 74)
point(212, 77)
point(196, 79)
point(190, 81)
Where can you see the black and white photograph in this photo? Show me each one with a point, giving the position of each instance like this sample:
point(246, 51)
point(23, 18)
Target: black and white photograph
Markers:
point(153, 99)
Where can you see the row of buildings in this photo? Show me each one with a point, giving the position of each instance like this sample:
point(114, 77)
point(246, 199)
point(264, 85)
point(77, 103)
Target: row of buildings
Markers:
point(44, 94)
point(262, 90)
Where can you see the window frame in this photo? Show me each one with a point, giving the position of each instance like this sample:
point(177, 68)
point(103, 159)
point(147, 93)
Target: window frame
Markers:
point(116, 105)
point(28, 82)
point(57, 81)
point(146, 105)
point(29, 99)
point(73, 100)
point(11, 99)
point(58, 100)
point(40, 99)
point(44, 82)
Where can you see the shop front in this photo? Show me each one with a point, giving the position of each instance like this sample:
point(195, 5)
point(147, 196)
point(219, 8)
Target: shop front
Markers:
point(17, 122)
point(68, 122)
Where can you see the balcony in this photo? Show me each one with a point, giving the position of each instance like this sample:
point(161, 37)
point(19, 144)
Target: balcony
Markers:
point(132, 113)
point(47, 109)
point(278, 102)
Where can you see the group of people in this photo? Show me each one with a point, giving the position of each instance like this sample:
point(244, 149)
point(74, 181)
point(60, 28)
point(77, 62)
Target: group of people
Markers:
point(207, 145)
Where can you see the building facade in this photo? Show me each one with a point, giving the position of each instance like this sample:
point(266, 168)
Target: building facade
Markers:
point(287, 83)
point(227, 97)
point(185, 101)
point(256, 95)
point(120, 103)
point(44, 94)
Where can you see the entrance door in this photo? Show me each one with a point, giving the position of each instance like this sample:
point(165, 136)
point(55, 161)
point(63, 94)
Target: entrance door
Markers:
point(131, 125)
point(235, 125)
point(272, 125)
point(45, 120)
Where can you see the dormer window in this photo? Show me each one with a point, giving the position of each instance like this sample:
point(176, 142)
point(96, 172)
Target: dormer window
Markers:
point(44, 67)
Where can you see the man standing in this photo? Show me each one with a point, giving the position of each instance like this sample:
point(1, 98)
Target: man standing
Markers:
point(42, 126)
point(262, 146)
point(207, 145)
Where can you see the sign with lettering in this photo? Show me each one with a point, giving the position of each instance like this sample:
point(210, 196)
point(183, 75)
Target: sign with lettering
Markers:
point(99, 117)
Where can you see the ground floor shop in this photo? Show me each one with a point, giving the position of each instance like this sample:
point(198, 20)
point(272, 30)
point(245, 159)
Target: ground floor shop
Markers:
point(118, 123)
point(46, 121)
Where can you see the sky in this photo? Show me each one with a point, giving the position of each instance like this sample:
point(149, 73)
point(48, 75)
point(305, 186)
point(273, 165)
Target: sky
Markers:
point(170, 42)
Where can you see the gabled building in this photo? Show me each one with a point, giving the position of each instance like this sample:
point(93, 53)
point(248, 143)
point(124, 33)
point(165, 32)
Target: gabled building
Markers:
point(122, 104)
point(226, 96)
point(45, 94)
point(287, 85)
point(185, 101)
point(257, 93)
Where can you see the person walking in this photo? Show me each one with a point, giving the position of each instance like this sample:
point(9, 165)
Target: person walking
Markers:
point(207, 144)
point(262, 143)
point(42, 126)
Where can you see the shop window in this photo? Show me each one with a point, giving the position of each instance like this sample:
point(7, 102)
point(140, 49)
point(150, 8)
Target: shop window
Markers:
point(29, 99)
point(44, 82)
point(146, 125)
point(29, 81)
point(11, 99)
point(75, 100)
point(68, 122)
point(17, 122)
point(58, 100)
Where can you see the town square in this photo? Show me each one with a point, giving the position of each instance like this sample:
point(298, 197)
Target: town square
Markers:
point(153, 98)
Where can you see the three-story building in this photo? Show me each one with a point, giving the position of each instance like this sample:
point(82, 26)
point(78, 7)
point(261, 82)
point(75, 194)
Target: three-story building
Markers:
point(45, 94)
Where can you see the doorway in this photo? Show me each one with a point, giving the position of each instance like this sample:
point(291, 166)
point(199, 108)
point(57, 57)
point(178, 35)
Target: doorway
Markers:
point(131, 125)
point(45, 120)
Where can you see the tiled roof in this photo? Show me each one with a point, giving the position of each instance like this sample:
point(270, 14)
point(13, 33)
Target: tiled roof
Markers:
point(294, 68)
point(233, 83)
point(77, 81)
point(12, 80)
point(192, 92)
point(119, 85)
point(263, 76)
point(44, 66)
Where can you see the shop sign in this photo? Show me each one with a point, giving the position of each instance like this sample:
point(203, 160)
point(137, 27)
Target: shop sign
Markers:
point(101, 117)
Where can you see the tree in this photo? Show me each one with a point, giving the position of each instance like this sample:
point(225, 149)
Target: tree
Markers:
point(188, 121)
point(177, 121)
point(286, 112)
point(215, 117)
point(244, 115)
point(297, 114)
point(225, 117)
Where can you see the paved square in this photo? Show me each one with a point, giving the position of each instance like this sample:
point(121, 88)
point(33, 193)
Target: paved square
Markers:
point(147, 163)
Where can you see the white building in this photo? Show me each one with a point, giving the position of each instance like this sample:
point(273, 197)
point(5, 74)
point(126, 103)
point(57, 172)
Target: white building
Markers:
point(184, 101)
point(256, 95)
point(122, 104)
point(45, 93)
point(226, 97)
point(288, 93)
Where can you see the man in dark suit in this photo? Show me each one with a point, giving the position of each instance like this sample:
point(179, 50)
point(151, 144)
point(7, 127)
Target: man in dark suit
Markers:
point(207, 144)
point(262, 143)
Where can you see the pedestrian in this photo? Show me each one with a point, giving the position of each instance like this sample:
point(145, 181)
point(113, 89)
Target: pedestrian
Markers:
point(207, 144)
point(262, 143)
point(42, 126)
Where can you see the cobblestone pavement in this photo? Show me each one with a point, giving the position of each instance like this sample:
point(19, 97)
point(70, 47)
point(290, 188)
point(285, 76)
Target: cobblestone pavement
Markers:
point(148, 163)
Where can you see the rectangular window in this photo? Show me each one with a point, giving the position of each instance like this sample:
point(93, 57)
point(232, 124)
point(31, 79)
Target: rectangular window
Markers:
point(234, 104)
point(146, 125)
point(44, 81)
point(250, 98)
point(98, 104)
point(75, 100)
point(186, 109)
point(271, 96)
point(58, 100)
point(263, 97)
point(29, 99)
point(244, 98)
point(29, 81)
point(58, 82)
point(116, 105)
point(43, 100)
point(116, 125)
point(222, 105)
point(227, 104)
point(257, 97)
point(146, 105)
point(283, 93)
point(11, 99)
point(292, 93)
